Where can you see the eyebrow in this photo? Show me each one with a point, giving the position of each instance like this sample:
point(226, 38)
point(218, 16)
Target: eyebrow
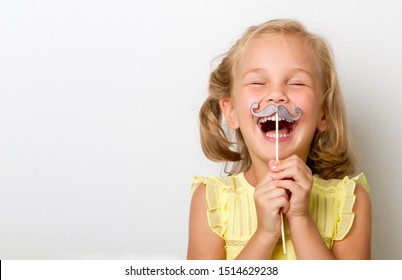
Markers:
point(259, 70)
point(298, 69)
point(254, 70)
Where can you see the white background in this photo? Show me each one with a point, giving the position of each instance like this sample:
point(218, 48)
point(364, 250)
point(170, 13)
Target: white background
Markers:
point(99, 109)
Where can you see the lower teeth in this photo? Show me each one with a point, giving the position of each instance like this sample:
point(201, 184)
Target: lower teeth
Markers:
point(274, 136)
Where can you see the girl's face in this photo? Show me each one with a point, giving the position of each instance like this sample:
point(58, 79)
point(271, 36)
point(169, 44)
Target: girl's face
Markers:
point(276, 69)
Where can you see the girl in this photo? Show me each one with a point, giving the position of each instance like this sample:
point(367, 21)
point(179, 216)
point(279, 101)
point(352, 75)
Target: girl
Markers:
point(326, 215)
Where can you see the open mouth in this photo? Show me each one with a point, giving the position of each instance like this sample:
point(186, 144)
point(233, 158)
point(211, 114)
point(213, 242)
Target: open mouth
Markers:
point(268, 126)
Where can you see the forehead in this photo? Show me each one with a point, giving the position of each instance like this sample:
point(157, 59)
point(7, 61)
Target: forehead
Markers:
point(276, 50)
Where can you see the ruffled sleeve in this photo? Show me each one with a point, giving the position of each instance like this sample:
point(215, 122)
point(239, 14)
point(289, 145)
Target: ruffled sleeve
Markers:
point(344, 202)
point(216, 197)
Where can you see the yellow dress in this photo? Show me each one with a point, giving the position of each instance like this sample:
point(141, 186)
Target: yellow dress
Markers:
point(232, 214)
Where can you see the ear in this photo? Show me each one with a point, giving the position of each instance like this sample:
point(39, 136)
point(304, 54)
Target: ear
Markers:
point(228, 112)
point(322, 123)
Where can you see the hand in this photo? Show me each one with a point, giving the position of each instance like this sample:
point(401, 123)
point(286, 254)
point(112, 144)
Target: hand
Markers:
point(293, 175)
point(270, 200)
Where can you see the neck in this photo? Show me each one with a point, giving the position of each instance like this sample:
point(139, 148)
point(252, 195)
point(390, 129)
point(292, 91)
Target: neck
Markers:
point(256, 173)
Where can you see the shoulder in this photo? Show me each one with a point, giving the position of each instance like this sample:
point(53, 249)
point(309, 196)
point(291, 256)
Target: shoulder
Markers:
point(232, 183)
point(362, 209)
point(217, 197)
point(203, 243)
point(208, 191)
point(362, 191)
point(363, 216)
point(349, 195)
point(355, 241)
point(341, 187)
point(198, 200)
point(202, 182)
point(214, 181)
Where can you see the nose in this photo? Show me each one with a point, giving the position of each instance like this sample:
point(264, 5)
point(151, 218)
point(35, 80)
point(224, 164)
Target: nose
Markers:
point(276, 96)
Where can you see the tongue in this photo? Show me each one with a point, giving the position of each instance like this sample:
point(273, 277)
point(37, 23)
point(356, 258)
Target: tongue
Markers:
point(283, 130)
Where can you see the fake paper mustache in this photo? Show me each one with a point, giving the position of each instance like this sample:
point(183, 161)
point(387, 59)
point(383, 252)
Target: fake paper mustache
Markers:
point(279, 109)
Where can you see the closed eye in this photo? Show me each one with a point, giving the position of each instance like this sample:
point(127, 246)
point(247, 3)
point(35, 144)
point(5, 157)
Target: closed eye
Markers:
point(297, 84)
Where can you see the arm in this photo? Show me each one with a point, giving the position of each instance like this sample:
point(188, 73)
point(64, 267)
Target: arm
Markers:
point(307, 240)
point(203, 243)
point(259, 247)
point(357, 243)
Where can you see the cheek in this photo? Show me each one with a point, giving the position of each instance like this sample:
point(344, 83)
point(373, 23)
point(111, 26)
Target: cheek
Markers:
point(311, 110)
point(242, 115)
point(243, 101)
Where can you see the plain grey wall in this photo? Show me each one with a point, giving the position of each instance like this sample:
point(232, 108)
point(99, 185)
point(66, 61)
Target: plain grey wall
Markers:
point(98, 117)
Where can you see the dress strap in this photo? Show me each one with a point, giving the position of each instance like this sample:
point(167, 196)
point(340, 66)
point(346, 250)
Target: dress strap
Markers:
point(216, 196)
point(344, 202)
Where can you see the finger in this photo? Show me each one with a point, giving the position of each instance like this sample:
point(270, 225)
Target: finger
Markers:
point(265, 196)
point(277, 205)
point(265, 180)
point(280, 204)
point(289, 185)
point(277, 166)
point(292, 168)
point(286, 207)
point(264, 188)
point(295, 173)
point(294, 188)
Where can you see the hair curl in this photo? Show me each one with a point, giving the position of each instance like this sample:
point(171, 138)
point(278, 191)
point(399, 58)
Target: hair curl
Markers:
point(331, 155)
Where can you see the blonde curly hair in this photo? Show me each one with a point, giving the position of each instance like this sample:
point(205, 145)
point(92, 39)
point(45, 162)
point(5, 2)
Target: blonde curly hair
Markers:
point(331, 155)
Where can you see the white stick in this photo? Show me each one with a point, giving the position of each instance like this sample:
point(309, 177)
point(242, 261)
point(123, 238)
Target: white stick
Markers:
point(277, 158)
point(276, 137)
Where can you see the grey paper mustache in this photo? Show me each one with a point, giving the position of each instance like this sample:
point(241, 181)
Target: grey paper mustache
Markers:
point(272, 109)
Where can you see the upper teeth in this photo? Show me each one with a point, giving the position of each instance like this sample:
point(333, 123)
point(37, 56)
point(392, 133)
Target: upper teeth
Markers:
point(273, 118)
